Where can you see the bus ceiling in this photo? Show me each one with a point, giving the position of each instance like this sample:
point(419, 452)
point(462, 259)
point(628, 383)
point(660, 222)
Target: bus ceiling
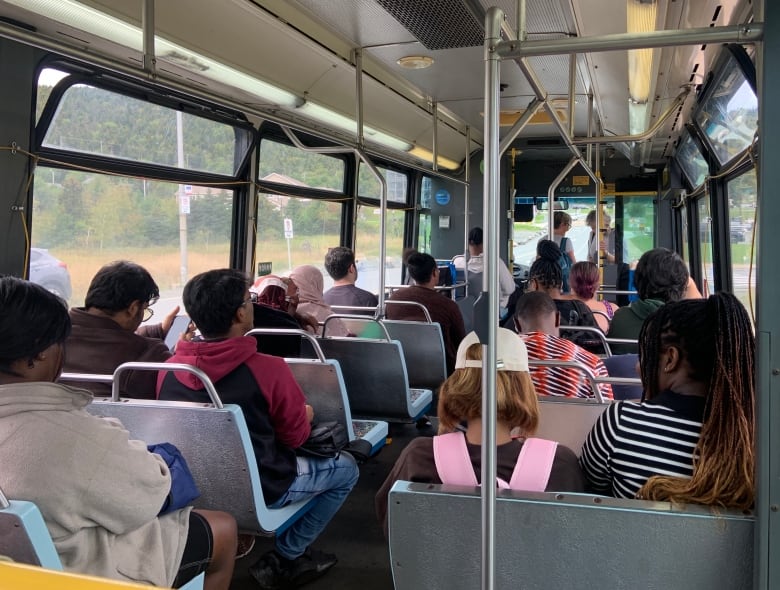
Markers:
point(422, 85)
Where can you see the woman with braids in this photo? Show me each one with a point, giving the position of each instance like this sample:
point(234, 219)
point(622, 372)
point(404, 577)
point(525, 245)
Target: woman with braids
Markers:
point(691, 438)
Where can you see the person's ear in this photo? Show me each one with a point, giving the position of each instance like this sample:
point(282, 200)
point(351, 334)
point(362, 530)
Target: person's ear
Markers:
point(671, 359)
point(135, 308)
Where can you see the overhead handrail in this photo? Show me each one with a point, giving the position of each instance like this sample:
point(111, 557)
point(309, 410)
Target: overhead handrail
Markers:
point(138, 366)
point(360, 318)
point(415, 303)
point(290, 332)
point(572, 365)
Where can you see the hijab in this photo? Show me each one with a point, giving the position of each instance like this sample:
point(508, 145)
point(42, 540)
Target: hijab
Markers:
point(309, 281)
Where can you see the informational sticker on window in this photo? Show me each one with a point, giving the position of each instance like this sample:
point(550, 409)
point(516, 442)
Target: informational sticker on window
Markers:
point(288, 228)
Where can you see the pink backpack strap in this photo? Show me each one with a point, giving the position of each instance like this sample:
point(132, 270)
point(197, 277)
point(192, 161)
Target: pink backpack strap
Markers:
point(453, 463)
point(534, 464)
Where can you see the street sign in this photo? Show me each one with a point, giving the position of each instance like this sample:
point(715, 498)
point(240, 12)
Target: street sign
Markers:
point(184, 205)
point(288, 228)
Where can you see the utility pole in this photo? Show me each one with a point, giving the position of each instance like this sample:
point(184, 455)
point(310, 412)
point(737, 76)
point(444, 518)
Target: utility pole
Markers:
point(183, 199)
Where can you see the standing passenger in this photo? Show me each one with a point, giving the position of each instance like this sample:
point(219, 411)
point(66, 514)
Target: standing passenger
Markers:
point(561, 225)
point(98, 491)
point(107, 330)
point(442, 309)
point(691, 439)
point(340, 264)
point(277, 416)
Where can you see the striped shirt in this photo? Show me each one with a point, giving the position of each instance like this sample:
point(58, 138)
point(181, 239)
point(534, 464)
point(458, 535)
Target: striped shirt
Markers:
point(563, 381)
point(633, 441)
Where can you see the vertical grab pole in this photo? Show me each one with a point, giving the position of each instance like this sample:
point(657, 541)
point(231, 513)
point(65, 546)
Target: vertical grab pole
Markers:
point(551, 194)
point(147, 23)
point(493, 21)
point(467, 178)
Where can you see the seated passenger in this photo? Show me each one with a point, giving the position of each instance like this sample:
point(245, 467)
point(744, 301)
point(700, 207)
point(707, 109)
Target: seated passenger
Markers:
point(460, 400)
point(476, 264)
point(277, 416)
point(660, 276)
point(442, 309)
point(106, 330)
point(98, 491)
point(537, 321)
point(546, 275)
point(340, 265)
point(309, 281)
point(691, 438)
point(584, 280)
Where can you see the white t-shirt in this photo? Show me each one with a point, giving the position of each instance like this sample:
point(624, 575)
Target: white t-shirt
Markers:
point(506, 283)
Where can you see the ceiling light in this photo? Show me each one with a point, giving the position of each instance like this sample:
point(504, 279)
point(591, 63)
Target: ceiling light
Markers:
point(640, 18)
point(415, 62)
point(334, 119)
point(427, 155)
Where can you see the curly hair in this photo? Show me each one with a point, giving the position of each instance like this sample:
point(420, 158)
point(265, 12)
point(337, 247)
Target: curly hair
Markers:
point(661, 274)
point(460, 397)
point(716, 339)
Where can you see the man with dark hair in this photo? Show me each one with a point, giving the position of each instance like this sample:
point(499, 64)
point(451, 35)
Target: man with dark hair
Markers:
point(476, 264)
point(277, 416)
point(425, 273)
point(537, 320)
point(106, 331)
point(660, 277)
point(340, 264)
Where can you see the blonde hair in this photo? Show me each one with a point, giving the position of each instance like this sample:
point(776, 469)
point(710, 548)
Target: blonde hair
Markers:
point(460, 397)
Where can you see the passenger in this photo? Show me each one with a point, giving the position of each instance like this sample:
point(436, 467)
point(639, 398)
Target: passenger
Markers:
point(660, 277)
point(537, 321)
point(584, 279)
point(282, 294)
point(546, 275)
point(476, 264)
point(442, 309)
point(309, 281)
point(107, 330)
point(460, 400)
point(594, 243)
point(340, 265)
point(98, 491)
point(691, 439)
point(562, 224)
point(278, 418)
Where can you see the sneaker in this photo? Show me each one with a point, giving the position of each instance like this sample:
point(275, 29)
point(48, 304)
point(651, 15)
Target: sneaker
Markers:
point(245, 545)
point(310, 566)
point(270, 573)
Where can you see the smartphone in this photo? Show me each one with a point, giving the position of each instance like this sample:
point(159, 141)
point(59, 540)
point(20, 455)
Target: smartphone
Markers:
point(179, 325)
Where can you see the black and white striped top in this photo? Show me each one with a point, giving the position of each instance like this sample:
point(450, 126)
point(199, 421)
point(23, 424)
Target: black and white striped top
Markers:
point(633, 441)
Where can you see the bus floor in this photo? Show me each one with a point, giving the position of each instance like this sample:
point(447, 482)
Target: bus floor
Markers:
point(354, 534)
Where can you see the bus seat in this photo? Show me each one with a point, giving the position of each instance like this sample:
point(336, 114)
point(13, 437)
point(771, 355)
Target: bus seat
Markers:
point(466, 305)
point(613, 543)
point(623, 365)
point(423, 349)
point(376, 379)
point(25, 539)
point(568, 420)
point(323, 385)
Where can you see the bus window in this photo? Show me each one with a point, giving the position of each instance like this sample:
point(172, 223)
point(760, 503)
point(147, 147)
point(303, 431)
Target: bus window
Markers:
point(314, 227)
point(286, 164)
point(638, 227)
point(705, 245)
point(742, 212)
point(397, 183)
point(87, 220)
point(367, 247)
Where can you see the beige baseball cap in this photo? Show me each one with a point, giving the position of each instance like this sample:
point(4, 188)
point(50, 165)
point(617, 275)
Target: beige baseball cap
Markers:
point(512, 354)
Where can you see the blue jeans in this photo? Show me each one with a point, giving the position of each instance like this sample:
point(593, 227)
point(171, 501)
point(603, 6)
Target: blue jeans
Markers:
point(329, 481)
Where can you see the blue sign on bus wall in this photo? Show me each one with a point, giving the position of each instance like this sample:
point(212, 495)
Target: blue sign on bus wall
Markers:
point(442, 196)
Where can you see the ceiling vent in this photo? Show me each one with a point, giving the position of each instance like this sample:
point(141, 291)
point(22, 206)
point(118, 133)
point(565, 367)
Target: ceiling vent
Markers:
point(444, 24)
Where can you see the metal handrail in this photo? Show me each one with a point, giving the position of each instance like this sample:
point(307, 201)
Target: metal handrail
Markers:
point(420, 305)
point(90, 377)
point(361, 318)
point(136, 366)
point(602, 338)
point(572, 365)
point(291, 332)
point(354, 309)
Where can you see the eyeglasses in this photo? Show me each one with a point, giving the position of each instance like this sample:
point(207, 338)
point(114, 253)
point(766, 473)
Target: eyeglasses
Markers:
point(252, 299)
point(148, 312)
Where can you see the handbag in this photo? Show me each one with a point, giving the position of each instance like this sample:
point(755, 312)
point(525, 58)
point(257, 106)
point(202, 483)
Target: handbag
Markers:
point(326, 441)
point(183, 488)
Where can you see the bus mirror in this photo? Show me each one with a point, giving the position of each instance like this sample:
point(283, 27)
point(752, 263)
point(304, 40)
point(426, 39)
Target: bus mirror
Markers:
point(558, 204)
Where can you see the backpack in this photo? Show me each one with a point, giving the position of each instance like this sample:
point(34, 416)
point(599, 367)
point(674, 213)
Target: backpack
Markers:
point(574, 312)
point(531, 473)
point(565, 263)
